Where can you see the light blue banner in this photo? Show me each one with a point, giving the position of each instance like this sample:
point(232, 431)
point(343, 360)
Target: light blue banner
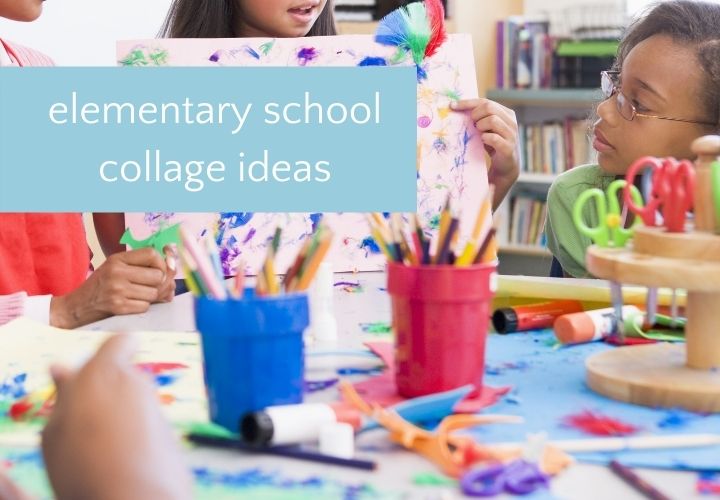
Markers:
point(208, 139)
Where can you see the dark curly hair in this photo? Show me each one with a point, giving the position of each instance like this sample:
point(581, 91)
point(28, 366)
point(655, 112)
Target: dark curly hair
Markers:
point(694, 23)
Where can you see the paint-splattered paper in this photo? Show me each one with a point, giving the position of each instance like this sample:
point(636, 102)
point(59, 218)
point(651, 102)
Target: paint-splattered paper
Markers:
point(450, 154)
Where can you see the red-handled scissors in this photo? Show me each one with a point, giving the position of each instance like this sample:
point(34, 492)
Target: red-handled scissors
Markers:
point(671, 191)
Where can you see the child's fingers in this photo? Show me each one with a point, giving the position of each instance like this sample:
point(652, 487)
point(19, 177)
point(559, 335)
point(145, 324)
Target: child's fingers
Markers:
point(498, 143)
point(496, 125)
point(170, 259)
point(466, 104)
point(61, 376)
point(119, 348)
point(490, 108)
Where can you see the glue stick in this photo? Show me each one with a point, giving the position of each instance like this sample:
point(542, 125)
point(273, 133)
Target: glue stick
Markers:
point(293, 424)
point(578, 328)
point(532, 316)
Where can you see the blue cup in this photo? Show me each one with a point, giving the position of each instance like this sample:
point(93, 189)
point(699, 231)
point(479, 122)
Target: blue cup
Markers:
point(253, 353)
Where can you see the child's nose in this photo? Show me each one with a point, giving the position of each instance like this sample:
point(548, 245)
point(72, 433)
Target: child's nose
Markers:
point(608, 112)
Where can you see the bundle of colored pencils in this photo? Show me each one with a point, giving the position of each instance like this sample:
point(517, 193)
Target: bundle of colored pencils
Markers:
point(393, 239)
point(204, 274)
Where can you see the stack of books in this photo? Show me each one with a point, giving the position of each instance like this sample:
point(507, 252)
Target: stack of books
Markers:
point(527, 220)
point(554, 147)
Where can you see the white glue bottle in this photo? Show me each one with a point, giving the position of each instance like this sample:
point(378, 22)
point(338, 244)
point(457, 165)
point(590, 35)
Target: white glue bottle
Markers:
point(323, 325)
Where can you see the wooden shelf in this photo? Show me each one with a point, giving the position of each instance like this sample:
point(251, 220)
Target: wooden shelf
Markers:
point(546, 97)
point(535, 178)
point(517, 249)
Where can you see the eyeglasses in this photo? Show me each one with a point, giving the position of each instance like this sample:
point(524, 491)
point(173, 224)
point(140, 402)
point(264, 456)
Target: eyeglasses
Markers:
point(610, 87)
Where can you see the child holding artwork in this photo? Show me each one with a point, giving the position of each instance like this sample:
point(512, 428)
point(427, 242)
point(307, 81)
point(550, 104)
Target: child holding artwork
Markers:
point(45, 255)
point(298, 18)
point(662, 93)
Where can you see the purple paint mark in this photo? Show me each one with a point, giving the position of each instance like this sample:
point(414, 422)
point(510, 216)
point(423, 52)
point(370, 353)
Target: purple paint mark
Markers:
point(424, 121)
point(439, 145)
point(228, 253)
point(460, 158)
point(306, 55)
point(155, 220)
point(215, 57)
point(502, 368)
point(250, 234)
point(231, 220)
point(319, 385)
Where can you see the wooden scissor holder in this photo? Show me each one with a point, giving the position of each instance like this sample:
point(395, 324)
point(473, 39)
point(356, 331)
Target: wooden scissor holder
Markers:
point(663, 374)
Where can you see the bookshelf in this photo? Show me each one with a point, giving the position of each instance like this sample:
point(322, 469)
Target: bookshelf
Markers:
point(534, 106)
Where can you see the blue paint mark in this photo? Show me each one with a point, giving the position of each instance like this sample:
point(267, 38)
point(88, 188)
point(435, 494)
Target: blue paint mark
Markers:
point(373, 61)
point(252, 52)
point(421, 73)
point(676, 419)
point(370, 245)
point(315, 219)
point(14, 387)
point(165, 379)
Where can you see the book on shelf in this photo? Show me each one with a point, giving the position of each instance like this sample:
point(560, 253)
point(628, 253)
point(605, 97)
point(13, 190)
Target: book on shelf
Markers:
point(529, 57)
point(554, 147)
point(526, 220)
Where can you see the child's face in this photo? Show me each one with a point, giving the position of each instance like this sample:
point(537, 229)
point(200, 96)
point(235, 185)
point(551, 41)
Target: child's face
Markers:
point(278, 18)
point(662, 78)
point(21, 10)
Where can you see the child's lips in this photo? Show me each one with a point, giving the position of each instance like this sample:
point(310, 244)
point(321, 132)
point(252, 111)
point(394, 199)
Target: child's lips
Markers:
point(600, 143)
point(303, 13)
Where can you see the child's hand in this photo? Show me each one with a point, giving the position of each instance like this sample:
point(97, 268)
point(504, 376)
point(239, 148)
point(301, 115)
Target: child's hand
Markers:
point(106, 437)
point(499, 131)
point(126, 283)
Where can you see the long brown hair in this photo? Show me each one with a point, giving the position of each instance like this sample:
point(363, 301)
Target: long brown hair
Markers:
point(215, 18)
point(688, 22)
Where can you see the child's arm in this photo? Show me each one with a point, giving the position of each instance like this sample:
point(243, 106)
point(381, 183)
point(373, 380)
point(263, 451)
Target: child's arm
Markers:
point(106, 437)
point(109, 228)
point(499, 132)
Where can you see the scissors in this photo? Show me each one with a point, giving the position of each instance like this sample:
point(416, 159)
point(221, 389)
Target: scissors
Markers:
point(609, 230)
point(671, 191)
point(518, 477)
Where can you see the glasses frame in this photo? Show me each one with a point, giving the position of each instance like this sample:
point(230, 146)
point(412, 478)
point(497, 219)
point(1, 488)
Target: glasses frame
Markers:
point(610, 88)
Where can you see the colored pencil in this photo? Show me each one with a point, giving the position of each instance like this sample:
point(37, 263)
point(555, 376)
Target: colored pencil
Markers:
point(281, 451)
point(214, 255)
point(193, 278)
point(444, 245)
point(484, 246)
point(466, 257)
point(204, 267)
point(610, 444)
point(239, 281)
point(631, 478)
point(308, 273)
point(297, 264)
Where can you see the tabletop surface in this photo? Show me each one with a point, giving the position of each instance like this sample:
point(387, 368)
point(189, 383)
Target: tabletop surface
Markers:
point(396, 467)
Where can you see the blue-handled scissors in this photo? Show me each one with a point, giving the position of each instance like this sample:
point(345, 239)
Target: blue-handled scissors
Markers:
point(609, 230)
point(518, 477)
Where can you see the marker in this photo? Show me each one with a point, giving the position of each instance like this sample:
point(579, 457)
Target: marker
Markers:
point(578, 328)
point(533, 316)
point(294, 424)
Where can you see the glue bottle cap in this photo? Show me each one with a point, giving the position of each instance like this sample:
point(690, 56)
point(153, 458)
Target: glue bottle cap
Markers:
point(574, 328)
point(257, 428)
point(505, 320)
point(337, 440)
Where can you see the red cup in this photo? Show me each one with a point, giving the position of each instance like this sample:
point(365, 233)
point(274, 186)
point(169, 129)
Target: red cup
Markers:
point(440, 315)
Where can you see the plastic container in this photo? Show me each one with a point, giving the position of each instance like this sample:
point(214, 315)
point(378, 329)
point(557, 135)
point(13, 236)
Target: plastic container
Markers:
point(253, 353)
point(440, 315)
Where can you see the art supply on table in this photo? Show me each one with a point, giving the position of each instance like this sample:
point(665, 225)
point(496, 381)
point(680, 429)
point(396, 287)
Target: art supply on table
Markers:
point(253, 352)
point(519, 477)
point(670, 198)
point(293, 452)
point(610, 230)
point(206, 275)
point(294, 424)
point(642, 486)
point(323, 324)
point(337, 440)
point(610, 444)
point(532, 316)
point(435, 309)
point(589, 326)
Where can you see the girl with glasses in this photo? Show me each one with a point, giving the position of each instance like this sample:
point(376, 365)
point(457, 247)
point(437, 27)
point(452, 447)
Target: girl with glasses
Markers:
point(662, 93)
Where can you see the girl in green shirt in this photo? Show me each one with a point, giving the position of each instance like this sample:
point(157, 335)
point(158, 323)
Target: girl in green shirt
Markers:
point(662, 93)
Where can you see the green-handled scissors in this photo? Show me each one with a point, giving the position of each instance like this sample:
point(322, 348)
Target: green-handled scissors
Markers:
point(610, 231)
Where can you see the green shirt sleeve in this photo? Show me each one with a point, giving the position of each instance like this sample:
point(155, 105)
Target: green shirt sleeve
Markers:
point(564, 240)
